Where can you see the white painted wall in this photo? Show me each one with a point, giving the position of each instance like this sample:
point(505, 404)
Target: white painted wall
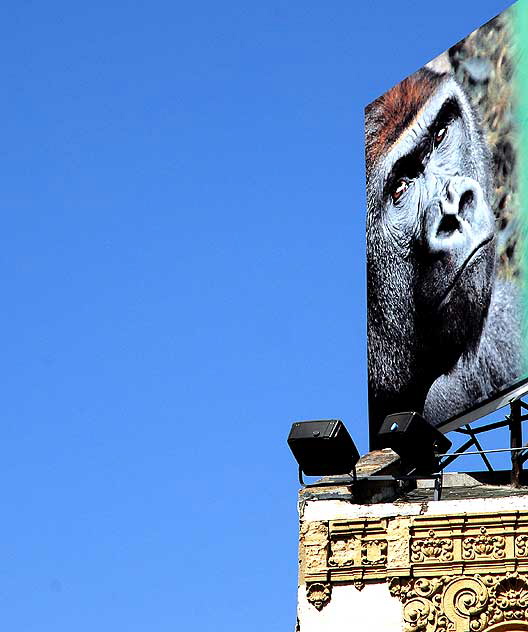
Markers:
point(372, 609)
point(341, 510)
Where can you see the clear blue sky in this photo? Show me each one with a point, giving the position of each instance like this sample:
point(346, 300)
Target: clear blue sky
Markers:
point(182, 277)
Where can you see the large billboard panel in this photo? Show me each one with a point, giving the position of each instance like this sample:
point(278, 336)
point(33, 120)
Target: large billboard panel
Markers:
point(445, 229)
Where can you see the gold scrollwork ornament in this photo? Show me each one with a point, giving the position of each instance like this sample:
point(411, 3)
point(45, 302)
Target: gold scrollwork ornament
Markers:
point(464, 603)
point(419, 615)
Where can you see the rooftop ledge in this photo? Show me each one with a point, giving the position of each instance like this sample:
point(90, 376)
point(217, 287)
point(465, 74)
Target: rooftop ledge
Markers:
point(384, 464)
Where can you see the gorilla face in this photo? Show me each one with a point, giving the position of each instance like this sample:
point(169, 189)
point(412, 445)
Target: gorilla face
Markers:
point(435, 213)
point(430, 237)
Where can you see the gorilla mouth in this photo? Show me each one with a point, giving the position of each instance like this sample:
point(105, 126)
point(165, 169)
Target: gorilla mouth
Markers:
point(472, 255)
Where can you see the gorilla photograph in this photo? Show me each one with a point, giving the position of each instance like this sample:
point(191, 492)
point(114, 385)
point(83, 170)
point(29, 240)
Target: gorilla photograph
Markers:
point(444, 267)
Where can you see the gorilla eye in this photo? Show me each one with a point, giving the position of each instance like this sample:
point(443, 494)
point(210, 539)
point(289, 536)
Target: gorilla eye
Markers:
point(440, 135)
point(399, 189)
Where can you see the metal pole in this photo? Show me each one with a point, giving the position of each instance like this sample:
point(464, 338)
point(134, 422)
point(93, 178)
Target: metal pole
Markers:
point(479, 447)
point(515, 442)
point(301, 476)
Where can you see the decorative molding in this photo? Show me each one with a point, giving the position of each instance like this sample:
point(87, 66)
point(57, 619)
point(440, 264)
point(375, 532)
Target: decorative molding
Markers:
point(359, 584)
point(432, 548)
point(447, 604)
point(521, 545)
point(483, 545)
point(313, 551)
point(373, 552)
point(511, 599)
point(463, 603)
point(362, 550)
point(319, 594)
point(343, 552)
point(452, 573)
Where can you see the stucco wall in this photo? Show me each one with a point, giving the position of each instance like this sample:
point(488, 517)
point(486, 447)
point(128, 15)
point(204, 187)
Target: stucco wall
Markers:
point(371, 610)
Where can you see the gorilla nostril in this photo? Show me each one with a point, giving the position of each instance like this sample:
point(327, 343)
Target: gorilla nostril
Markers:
point(448, 225)
point(466, 200)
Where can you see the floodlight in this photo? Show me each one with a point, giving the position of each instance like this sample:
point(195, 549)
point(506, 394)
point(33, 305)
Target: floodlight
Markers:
point(322, 448)
point(415, 440)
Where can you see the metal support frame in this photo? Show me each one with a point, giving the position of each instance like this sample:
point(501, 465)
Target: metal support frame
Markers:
point(519, 453)
point(515, 423)
point(352, 475)
point(390, 478)
point(437, 477)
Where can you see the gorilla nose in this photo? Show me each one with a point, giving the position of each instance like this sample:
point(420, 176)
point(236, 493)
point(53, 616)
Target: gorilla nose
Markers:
point(449, 224)
point(460, 198)
point(458, 215)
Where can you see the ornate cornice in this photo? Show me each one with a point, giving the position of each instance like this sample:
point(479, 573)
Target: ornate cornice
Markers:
point(449, 571)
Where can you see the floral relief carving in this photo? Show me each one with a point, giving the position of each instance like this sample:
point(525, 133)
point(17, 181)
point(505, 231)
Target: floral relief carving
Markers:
point(510, 600)
point(521, 545)
point(461, 604)
point(419, 615)
point(483, 545)
point(432, 548)
point(373, 552)
point(342, 552)
point(420, 599)
point(372, 549)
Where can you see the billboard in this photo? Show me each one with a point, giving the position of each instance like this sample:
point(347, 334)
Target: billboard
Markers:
point(446, 200)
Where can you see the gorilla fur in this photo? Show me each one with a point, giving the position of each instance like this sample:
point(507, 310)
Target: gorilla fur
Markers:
point(437, 313)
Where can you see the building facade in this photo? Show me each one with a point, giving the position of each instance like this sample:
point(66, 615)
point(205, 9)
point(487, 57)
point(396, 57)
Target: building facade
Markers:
point(374, 557)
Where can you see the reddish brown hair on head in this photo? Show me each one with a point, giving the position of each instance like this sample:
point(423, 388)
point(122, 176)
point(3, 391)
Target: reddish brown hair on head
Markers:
point(390, 115)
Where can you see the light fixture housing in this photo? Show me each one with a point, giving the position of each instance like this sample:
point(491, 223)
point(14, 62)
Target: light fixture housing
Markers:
point(417, 442)
point(323, 447)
